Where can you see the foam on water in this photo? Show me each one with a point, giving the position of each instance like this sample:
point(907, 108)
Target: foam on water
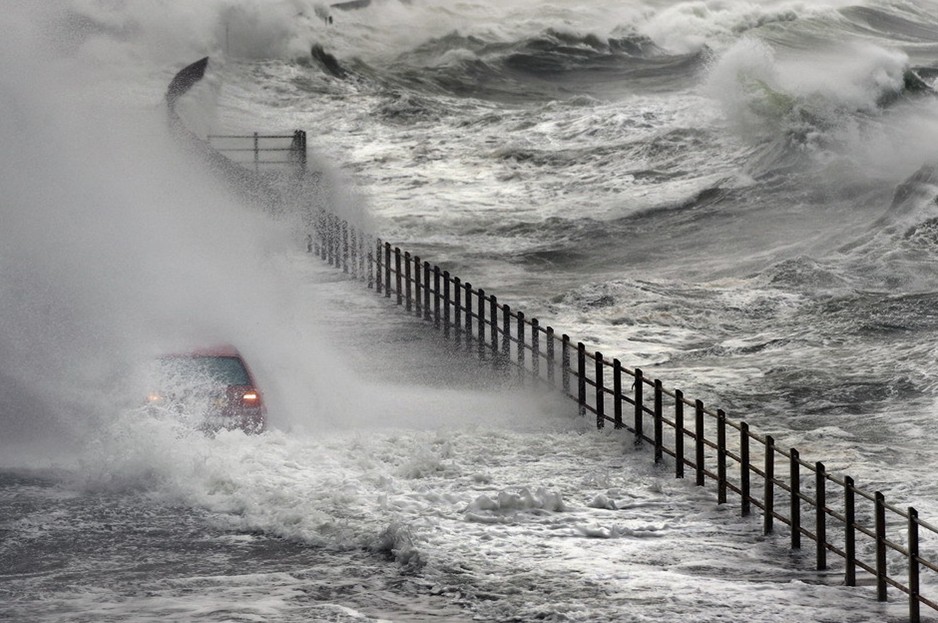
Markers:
point(488, 501)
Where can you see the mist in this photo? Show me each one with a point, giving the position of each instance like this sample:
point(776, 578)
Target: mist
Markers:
point(117, 245)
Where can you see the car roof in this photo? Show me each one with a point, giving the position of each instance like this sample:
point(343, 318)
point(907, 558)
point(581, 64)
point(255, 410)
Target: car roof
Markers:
point(219, 350)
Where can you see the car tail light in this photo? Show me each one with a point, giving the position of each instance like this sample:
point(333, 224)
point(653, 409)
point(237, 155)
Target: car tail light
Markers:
point(247, 397)
point(251, 398)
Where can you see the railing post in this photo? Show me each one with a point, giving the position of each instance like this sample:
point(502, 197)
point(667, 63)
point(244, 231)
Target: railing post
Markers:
point(769, 498)
point(850, 534)
point(345, 248)
point(407, 285)
point(446, 304)
point(659, 423)
point(820, 489)
point(436, 296)
point(398, 278)
point(378, 269)
point(467, 289)
point(721, 457)
point(457, 310)
point(551, 361)
point(746, 506)
point(639, 407)
point(795, 512)
point(493, 326)
point(699, 442)
point(617, 393)
point(678, 433)
point(581, 376)
point(480, 305)
point(427, 313)
point(600, 391)
point(418, 306)
point(914, 604)
point(521, 330)
point(353, 248)
point(361, 256)
point(257, 153)
point(506, 333)
point(565, 363)
point(387, 270)
point(535, 349)
point(881, 570)
point(322, 233)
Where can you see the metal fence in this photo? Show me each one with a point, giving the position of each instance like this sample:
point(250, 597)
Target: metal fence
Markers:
point(877, 542)
point(257, 149)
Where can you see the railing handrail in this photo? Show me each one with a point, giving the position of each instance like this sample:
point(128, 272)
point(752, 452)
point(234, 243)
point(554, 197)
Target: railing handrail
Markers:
point(296, 149)
point(511, 339)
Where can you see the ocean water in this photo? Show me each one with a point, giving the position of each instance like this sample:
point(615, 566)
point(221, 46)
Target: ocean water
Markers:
point(740, 198)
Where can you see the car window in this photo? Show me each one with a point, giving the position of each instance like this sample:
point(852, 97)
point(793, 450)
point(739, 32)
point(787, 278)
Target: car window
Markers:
point(201, 369)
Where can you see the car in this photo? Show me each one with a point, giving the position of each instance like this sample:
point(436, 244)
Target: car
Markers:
point(213, 387)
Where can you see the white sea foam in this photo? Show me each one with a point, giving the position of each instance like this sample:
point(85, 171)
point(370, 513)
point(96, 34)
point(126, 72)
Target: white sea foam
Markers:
point(370, 450)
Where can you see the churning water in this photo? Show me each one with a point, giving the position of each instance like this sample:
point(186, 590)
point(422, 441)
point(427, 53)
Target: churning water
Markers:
point(738, 197)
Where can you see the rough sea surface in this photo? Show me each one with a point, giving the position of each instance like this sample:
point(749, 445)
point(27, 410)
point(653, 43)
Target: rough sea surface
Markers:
point(741, 198)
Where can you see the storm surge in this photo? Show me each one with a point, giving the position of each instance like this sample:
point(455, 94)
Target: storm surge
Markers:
point(738, 197)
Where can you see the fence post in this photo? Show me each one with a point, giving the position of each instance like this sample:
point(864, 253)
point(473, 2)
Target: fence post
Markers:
point(746, 506)
point(457, 310)
point(820, 489)
point(565, 363)
point(659, 424)
point(345, 248)
point(322, 229)
point(769, 500)
point(850, 535)
point(481, 323)
point(600, 391)
point(418, 307)
point(721, 456)
point(407, 282)
point(436, 296)
point(257, 153)
point(361, 256)
point(397, 276)
point(427, 314)
point(354, 251)
point(914, 604)
point(639, 407)
point(678, 433)
point(506, 333)
point(387, 270)
point(493, 326)
point(378, 269)
point(446, 303)
point(581, 376)
point(551, 363)
point(699, 442)
point(881, 570)
point(617, 392)
point(795, 511)
point(467, 290)
point(521, 330)
point(535, 349)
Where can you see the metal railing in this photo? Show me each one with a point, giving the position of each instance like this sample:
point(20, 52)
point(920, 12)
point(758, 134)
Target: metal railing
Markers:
point(262, 149)
point(835, 516)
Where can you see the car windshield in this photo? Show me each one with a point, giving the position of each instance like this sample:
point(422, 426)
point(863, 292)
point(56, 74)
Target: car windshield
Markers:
point(205, 369)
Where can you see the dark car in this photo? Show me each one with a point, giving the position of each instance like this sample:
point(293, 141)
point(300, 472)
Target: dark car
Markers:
point(214, 387)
